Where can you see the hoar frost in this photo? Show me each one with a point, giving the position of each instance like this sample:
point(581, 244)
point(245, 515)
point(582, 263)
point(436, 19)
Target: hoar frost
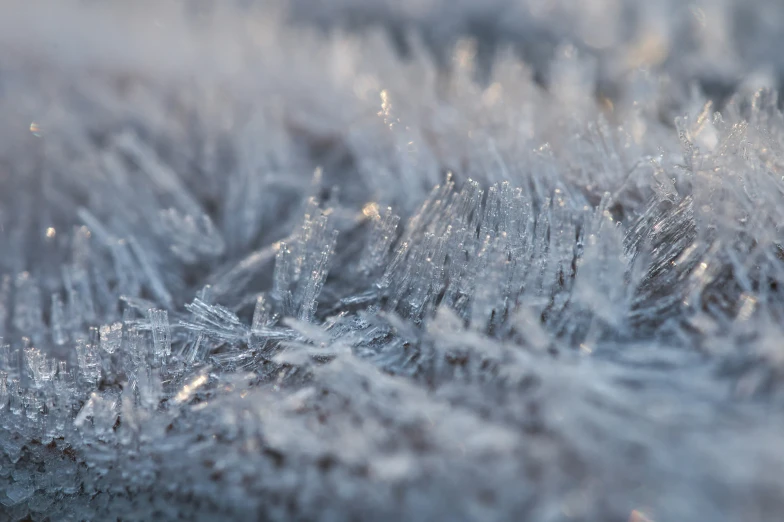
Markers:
point(250, 270)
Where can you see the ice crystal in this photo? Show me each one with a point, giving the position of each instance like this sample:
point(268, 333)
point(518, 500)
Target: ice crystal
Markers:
point(161, 333)
point(111, 337)
point(253, 270)
point(88, 360)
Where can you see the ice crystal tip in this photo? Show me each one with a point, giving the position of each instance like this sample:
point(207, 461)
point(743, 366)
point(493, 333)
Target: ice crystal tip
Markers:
point(161, 332)
point(88, 360)
point(111, 337)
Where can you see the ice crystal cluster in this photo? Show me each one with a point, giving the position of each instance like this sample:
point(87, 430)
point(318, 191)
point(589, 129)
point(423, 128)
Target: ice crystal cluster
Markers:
point(375, 260)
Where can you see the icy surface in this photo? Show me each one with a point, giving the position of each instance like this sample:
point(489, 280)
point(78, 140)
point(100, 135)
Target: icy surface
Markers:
point(503, 260)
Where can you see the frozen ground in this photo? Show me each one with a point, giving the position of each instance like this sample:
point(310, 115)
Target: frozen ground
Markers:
point(412, 260)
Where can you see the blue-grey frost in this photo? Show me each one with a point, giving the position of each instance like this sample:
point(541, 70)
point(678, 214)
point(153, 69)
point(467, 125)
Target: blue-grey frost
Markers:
point(469, 261)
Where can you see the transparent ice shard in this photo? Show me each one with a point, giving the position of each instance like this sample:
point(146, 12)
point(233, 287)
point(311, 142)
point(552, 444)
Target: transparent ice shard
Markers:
point(396, 264)
point(9, 359)
point(215, 321)
point(19, 491)
point(192, 237)
point(228, 281)
point(80, 247)
point(128, 277)
point(64, 385)
point(194, 349)
point(143, 306)
point(42, 368)
point(382, 235)
point(5, 303)
point(159, 174)
point(161, 333)
point(301, 265)
point(318, 274)
point(28, 312)
point(111, 337)
point(15, 403)
point(94, 226)
point(88, 359)
point(489, 302)
point(59, 326)
point(235, 360)
point(106, 299)
point(4, 391)
point(150, 388)
point(85, 412)
point(282, 278)
point(135, 353)
point(151, 273)
point(102, 410)
point(261, 316)
point(310, 235)
point(81, 307)
point(206, 294)
point(600, 284)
